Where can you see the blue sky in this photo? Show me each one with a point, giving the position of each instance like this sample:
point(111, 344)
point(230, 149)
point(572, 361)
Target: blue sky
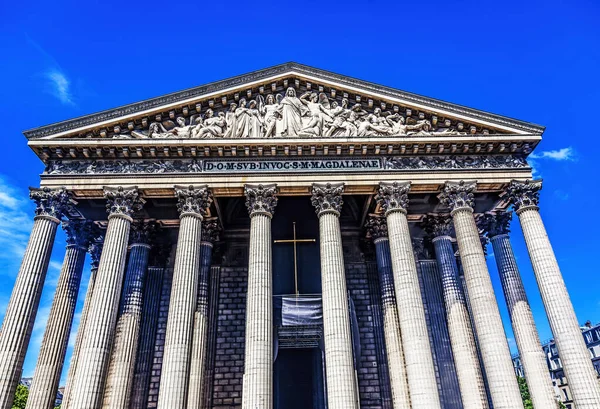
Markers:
point(537, 61)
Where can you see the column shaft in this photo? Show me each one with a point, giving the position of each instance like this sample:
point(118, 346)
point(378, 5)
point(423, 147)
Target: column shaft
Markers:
point(526, 335)
point(23, 305)
point(117, 392)
point(42, 393)
point(464, 349)
point(258, 365)
point(143, 365)
point(574, 354)
point(391, 327)
point(180, 325)
point(341, 384)
point(486, 315)
point(92, 363)
point(415, 339)
point(200, 340)
point(78, 340)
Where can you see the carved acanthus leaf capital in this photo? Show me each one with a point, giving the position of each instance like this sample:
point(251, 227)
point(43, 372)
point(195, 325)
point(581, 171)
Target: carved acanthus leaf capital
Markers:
point(393, 196)
point(122, 201)
point(51, 202)
point(210, 230)
point(524, 194)
point(142, 232)
point(327, 198)
point(458, 195)
point(79, 233)
point(438, 225)
point(496, 223)
point(95, 248)
point(193, 199)
point(261, 199)
point(376, 227)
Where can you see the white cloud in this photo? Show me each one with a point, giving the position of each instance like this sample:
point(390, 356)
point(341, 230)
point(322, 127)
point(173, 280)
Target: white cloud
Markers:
point(564, 154)
point(59, 86)
point(16, 220)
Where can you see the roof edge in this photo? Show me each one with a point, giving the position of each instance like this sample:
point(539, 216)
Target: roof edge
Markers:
point(198, 91)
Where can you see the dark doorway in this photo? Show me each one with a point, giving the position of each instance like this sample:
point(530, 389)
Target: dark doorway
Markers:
point(299, 379)
point(288, 211)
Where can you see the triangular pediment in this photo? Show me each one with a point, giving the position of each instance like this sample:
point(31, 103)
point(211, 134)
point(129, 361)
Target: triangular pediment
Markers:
point(285, 101)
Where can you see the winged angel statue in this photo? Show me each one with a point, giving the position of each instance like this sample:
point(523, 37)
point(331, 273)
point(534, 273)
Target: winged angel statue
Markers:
point(310, 115)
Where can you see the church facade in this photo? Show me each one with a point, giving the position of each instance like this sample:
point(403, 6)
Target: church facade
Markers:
point(289, 238)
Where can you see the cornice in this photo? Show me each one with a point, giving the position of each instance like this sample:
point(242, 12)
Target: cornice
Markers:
point(278, 71)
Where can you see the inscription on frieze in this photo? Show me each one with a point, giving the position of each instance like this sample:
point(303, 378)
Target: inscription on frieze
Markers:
point(290, 165)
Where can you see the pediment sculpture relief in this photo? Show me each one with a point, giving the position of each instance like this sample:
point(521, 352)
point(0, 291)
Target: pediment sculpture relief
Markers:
point(287, 115)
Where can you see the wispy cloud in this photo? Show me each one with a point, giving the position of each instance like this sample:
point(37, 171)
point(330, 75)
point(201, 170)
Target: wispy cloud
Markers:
point(564, 154)
point(57, 82)
point(561, 194)
point(536, 159)
point(59, 86)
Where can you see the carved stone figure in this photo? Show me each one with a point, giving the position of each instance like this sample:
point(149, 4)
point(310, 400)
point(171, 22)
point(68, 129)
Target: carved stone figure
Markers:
point(231, 121)
point(182, 131)
point(269, 109)
point(291, 110)
point(211, 126)
point(317, 104)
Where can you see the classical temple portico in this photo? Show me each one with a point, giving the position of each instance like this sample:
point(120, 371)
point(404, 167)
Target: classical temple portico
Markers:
point(194, 303)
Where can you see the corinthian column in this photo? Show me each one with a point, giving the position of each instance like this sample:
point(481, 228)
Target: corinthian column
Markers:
point(25, 298)
point(117, 391)
point(192, 205)
point(486, 315)
point(341, 384)
point(257, 390)
point(393, 198)
point(521, 317)
point(99, 331)
point(574, 355)
point(42, 393)
point(149, 326)
point(210, 234)
point(95, 249)
point(464, 348)
point(377, 228)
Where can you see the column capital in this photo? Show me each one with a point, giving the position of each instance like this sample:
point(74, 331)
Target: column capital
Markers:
point(193, 200)
point(438, 225)
point(458, 195)
point(327, 198)
point(524, 194)
point(393, 196)
point(377, 227)
point(210, 230)
point(261, 199)
point(79, 233)
point(122, 201)
point(95, 250)
point(142, 232)
point(496, 223)
point(51, 203)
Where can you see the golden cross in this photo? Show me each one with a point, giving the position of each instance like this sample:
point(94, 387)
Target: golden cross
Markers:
point(294, 241)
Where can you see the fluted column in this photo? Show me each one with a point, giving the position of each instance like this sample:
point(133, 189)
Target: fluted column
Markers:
point(99, 331)
point(95, 250)
point(574, 354)
point(341, 383)
point(25, 298)
point(526, 335)
point(393, 198)
point(42, 393)
point(117, 392)
point(462, 339)
point(150, 312)
point(458, 196)
point(192, 205)
point(257, 390)
point(377, 228)
point(210, 234)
